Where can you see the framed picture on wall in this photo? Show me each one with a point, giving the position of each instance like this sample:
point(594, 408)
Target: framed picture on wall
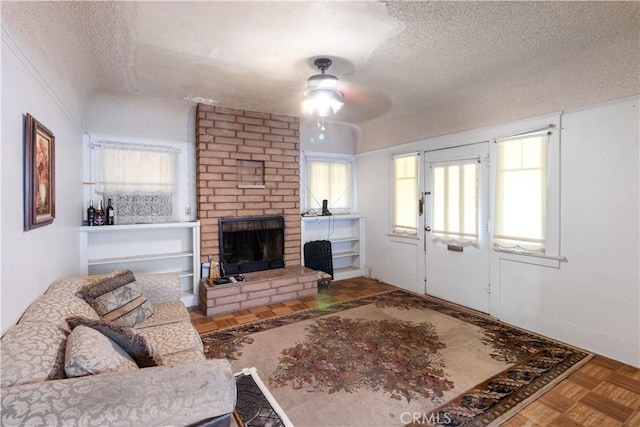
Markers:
point(39, 175)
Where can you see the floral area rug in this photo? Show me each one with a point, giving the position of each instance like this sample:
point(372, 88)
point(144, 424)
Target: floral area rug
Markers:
point(394, 359)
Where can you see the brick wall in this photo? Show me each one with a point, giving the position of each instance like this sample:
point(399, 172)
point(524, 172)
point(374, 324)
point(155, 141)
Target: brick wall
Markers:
point(247, 164)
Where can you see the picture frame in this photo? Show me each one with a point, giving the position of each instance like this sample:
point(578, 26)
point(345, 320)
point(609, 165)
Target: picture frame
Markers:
point(39, 174)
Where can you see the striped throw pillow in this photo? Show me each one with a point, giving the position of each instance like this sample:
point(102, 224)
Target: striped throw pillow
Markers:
point(117, 298)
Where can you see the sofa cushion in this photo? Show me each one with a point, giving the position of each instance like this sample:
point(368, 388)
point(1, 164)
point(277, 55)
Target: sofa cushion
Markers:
point(172, 338)
point(118, 298)
point(68, 285)
point(192, 355)
point(165, 313)
point(54, 308)
point(180, 395)
point(88, 352)
point(32, 352)
point(136, 345)
point(160, 287)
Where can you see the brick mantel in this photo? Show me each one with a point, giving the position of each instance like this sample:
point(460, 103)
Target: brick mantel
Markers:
point(247, 164)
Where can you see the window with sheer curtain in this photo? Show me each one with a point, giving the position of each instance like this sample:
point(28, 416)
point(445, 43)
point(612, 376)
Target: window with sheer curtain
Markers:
point(520, 209)
point(455, 202)
point(141, 180)
point(329, 179)
point(405, 194)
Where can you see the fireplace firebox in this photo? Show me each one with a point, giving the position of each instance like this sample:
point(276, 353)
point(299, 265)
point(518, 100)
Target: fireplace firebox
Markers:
point(251, 243)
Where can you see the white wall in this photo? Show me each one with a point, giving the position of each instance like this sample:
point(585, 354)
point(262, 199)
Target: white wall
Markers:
point(32, 260)
point(336, 138)
point(139, 116)
point(591, 301)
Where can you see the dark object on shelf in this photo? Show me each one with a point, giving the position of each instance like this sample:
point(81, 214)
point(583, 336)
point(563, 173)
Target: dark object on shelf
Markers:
point(318, 256)
point(325, 208)
point(111, 214)
point(91, 214)
point(227, 279)
point(99, 215)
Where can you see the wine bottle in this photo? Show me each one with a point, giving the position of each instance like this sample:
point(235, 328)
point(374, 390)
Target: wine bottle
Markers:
point(91, 213)
point(99, 215)
point(111, 214)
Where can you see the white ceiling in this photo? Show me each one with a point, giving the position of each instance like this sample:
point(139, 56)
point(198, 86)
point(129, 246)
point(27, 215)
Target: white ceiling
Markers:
point(393, 58)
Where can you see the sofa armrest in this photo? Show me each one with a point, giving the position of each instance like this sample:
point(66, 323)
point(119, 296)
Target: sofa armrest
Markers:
point(163, 395)
point(160, 287)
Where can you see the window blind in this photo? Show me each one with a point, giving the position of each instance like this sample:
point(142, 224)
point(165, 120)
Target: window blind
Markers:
point(521, 193)
point(329, 179)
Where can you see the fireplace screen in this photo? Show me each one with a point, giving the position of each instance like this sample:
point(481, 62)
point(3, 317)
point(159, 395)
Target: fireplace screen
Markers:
point(251, 244)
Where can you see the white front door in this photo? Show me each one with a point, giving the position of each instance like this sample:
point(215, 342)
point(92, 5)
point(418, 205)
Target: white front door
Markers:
point(456, 225)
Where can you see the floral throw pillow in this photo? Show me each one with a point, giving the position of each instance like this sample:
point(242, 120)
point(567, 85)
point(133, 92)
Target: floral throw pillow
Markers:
point(117, 298)
point(140, 350)
point(88, 352)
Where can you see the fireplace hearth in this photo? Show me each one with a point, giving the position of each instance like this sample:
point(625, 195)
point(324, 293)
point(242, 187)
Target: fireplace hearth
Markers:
point(251, 244)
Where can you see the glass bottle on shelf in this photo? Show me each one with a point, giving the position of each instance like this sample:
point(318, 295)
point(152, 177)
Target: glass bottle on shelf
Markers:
point(91, 213)
point(111, 213)
point(99, 218)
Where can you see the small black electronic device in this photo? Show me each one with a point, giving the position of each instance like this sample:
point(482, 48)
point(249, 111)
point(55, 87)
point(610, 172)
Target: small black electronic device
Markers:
point(325, 209)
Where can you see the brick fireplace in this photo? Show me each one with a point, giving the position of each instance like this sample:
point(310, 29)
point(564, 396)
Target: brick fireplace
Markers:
point(247, 164)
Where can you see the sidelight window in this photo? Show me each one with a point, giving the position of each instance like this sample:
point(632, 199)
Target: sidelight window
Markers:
point(405, 194)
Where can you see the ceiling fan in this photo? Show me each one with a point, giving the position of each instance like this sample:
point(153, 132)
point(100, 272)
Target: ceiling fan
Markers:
point(322, 96)
point(326, 95)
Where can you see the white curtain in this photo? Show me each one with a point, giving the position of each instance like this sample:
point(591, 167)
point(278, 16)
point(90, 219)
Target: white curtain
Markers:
point(140, 179)
point(455, 202)
point(521, 193)
point(405, 194)
point(329, 179)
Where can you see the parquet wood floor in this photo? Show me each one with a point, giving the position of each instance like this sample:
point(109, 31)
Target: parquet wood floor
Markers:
point(601, 393)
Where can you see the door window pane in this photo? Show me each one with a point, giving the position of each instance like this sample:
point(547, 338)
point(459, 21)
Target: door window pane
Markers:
point(455, 201)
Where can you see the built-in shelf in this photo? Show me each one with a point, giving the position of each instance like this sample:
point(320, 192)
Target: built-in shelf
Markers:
point(139, 258)
point(185, 274)
point(145, 249)
point(345, 254)
point(347, 271)
point(346, 239)
point(131, 227)
point(346, 234)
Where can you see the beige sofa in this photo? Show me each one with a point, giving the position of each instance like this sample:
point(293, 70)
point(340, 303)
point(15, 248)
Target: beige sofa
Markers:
point(184, 388)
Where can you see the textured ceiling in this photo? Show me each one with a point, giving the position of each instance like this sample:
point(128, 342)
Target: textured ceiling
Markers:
point(394, 59)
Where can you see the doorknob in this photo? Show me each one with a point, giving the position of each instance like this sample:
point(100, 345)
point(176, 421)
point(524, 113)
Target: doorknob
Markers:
point(427, 228)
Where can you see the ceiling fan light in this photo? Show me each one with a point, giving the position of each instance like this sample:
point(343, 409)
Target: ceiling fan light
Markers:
point(323, 102)
point(336, 105)
point(322, 81)
point(322, 96)
point(309, 106)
